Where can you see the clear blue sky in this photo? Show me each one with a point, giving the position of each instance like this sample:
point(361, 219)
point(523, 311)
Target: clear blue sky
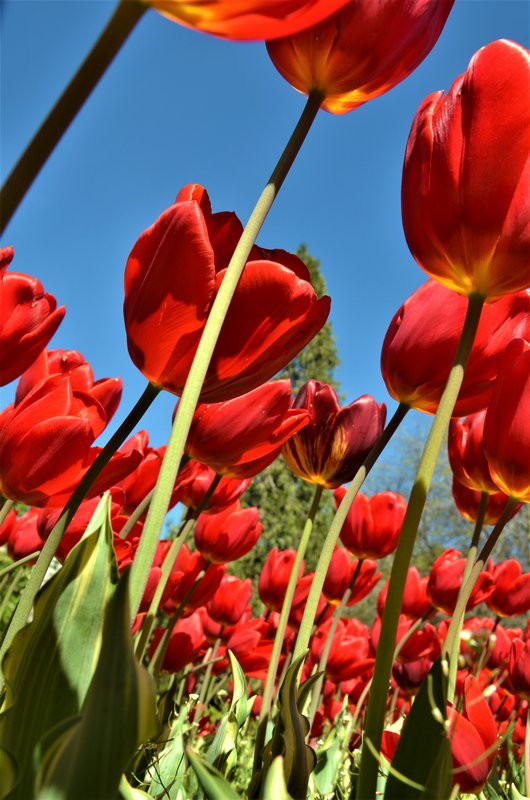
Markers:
point(179, 107)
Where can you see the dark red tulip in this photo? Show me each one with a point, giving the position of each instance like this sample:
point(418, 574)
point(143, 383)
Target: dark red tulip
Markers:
point(468, 502)
point(409, 675)
point(46, 444)
point(186, 644)
point(361, 51)
point(230, 600)
point(511, 595)
point(8, 526)
point(415, 601)
point(185, 580)
point(519, 668)
point(445, 579)
point(240, 437)
point(228, 535)
point(340, 577)
point(466, 177)
point(29, 317)
point(373, 524)
point(332, 447)
point(247, 19)
point(473, 737)
point(421, 341)
point(171, 279)
point(507, 424)
point(47, 518)
point(194, 480)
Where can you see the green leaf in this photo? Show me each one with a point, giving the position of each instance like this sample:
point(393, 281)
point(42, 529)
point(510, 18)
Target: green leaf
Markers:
point(51, 661)
point(423, 755)
point(118, 715)
point(168, 771)
point(274, 786)
point(222, 752)
point(213, 782)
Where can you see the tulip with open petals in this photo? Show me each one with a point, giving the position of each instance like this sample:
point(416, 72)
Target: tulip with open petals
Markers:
point(331, 448)
point(466, 177)
point(361, 51)
point(172, 277)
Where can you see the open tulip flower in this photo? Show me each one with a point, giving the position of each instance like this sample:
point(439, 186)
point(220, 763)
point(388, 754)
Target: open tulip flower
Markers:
point(445, 580)
point(466, 177)
point(171, 279)
point(247, 19)
point(507, 424)
point(345, 573)
point(421, 341)
point(332, 447)
point(361, 51)
point(240, 437)
point(511, 595)
point(415, 601)
point(28, 319)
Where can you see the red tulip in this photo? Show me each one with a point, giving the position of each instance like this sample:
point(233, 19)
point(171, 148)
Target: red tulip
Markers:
point(409, 675)
point(466, 177)
point(195, 479)
point(46, 443)
point(230, 600)
point(171, 279)
point(247, 19)
point(47, 518)
point(468, 502)
point(24, 538)
point(29, 318)
point(423, 643)
point(511, 595)
point(350, 654)
point(445, 580)
point(186, 644)
point(185, 586)
point(332, 447)
point(240, 437)
point(421, 343)
point(473, 737)
point(466, 453)
point(228, 535)
point(415, 601)
point(274, 578)
point(361, 51)
point(72, 364)
point(519, 668)
point(373, 525)
point(340, 576)
point(8, 526)
point(507, 425)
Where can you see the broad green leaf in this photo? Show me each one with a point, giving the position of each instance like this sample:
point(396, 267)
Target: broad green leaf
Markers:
point(50, 663)
point(274, 786)
point(423, 754)
point(119, 714)
point(222, 752)
point(213, 782)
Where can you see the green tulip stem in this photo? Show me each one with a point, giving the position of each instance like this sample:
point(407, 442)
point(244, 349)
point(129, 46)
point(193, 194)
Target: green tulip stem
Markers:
point(136, 515)
point(192, 389)
point(52, 542)
point(212, 659)
point(310, 611)
point(19, 563)
point(451, 646)
point(120, 25)
point(287, 603)
point(375, 713)
point(7, 505)
point(459, 624)
point(15, 580)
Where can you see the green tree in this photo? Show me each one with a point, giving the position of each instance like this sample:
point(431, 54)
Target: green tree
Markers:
point(284, 499)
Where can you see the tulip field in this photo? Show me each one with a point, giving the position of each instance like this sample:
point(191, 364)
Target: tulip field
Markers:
point(134, 662)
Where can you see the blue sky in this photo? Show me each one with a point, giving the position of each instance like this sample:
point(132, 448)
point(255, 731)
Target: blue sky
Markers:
point(179, 107)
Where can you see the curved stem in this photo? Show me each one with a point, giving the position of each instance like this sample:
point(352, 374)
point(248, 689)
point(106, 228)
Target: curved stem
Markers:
point(7, 505)
point(375, 714)
point(306, 625)
point(19, 563)
point(203, 355)
point(52, 542)
point(471, 556)
point(136, 515)
point(452, 634)
point(287, 603)
point(122, 22)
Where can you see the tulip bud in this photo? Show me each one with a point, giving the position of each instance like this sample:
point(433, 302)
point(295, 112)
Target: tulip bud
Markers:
point(373, 525)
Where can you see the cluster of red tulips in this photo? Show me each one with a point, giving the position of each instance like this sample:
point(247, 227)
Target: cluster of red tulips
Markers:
point(212, 318)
